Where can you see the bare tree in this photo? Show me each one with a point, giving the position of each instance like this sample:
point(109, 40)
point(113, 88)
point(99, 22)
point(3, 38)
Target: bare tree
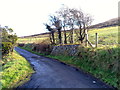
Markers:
point(73, 17)
point(71, 23)
point(70, 18)
point(63, 14)
point(67, 21)
point(82, 20)
point(57, 23)
point(52, 39)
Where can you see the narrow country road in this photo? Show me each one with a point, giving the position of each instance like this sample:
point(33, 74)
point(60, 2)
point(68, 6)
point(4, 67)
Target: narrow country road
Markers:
point(50, 73)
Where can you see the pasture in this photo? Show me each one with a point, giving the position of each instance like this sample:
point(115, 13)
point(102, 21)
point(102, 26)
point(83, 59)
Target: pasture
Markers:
point(106, 36)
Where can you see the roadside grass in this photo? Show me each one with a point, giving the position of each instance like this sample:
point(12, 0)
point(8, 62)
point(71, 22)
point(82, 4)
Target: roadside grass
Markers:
point(101, 62)
point(15, 71)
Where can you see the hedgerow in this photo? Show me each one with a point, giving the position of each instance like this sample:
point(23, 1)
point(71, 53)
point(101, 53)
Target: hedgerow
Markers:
point(7, 47)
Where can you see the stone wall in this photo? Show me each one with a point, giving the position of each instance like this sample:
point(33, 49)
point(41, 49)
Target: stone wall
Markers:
point(70, 50)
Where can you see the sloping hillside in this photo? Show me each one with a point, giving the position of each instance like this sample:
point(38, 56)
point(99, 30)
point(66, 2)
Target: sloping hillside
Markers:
point(111, 22)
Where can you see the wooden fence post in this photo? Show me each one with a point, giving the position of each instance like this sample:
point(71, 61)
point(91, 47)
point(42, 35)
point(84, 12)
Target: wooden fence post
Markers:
point(86, 40)
point(96, 40)
point(73, 37)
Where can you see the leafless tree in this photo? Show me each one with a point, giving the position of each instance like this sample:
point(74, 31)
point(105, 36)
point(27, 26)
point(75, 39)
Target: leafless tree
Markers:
point(57, 23)
point(52, 39)
point(69, 18)
point(82, 20)
point(63, 14)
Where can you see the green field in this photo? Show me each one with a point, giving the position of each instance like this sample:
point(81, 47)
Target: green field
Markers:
point(34, 39)
point(106, 36)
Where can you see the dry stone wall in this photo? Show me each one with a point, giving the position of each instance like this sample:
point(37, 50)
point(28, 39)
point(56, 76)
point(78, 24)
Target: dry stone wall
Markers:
point(69, 50)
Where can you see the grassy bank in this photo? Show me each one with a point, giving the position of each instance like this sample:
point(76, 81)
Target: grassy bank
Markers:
point(101, 62)
point(15, 70)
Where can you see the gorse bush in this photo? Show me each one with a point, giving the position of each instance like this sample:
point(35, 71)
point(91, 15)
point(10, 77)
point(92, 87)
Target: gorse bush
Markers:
point(8, 40)
point(7, 47)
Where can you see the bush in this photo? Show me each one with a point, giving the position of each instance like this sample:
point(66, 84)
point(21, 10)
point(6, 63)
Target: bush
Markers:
point(42, 47)
point(7, 47)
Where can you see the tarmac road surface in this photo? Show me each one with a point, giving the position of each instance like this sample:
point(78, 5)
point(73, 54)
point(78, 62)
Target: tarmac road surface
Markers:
point(50, 73)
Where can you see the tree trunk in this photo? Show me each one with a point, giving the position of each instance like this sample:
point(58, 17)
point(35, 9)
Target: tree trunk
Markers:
point(80, 29)
point(65, 36)
point(86, 39)
point(82, 32)
point(72, 35)
point(50, 38)
point(96, 40)
point(59, 36)
point(53, 38)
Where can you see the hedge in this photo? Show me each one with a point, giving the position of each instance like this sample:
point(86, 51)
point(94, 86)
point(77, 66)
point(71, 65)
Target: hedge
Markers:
point(7, 47)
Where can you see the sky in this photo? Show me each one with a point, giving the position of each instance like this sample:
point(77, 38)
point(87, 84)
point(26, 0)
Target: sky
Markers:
point(26, 17)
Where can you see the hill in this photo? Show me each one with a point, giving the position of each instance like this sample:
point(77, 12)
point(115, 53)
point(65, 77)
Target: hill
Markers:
point(108, 23)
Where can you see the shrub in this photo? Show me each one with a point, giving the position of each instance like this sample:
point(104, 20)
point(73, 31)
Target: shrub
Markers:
point(42, 47)
point(7, 47)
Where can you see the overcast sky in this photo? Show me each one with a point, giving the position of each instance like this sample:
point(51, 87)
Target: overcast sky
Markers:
point(26, 17)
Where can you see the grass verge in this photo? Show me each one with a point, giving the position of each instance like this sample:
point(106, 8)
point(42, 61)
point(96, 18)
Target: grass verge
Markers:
point(15, 71)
